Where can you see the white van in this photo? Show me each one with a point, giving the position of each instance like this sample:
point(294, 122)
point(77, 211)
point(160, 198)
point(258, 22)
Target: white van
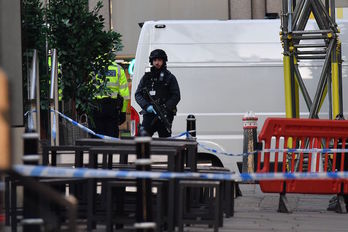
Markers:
point(224, 69)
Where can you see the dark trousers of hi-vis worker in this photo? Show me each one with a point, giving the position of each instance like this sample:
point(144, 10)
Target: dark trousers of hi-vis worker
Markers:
point(106, 117)
point(152, 124)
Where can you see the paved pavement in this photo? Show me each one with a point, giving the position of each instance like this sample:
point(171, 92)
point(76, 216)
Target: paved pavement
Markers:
point(256, 211)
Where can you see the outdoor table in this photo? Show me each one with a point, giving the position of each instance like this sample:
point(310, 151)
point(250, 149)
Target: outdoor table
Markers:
point(175, 164)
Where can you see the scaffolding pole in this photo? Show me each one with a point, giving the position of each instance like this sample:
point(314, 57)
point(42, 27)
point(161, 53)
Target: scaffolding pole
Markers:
point(322, 44)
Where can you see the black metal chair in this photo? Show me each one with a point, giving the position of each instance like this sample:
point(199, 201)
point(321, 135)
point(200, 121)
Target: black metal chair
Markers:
point(227, 188)
point(120, 204)
point(208, 213)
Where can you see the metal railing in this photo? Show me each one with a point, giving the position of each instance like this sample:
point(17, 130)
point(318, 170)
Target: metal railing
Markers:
point(54, 100)
point(34, 95)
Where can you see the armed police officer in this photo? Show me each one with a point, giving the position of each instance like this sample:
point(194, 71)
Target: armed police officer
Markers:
point(158, 94)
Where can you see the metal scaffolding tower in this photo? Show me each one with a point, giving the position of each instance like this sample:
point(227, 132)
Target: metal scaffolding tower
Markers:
point(322, 44)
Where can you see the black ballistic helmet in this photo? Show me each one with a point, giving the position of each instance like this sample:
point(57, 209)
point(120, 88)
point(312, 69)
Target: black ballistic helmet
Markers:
point(158, 53)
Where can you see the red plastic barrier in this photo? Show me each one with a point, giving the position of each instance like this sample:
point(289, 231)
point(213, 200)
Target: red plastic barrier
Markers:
point(303, 133)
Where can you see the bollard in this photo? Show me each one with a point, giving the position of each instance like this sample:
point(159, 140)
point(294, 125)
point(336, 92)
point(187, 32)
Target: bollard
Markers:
point(144, 218)
point(31, 221)
point(191, 126)
point(249, 142)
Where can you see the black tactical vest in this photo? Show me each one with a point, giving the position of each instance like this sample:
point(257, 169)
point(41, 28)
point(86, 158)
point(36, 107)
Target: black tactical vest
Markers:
point(157, 84)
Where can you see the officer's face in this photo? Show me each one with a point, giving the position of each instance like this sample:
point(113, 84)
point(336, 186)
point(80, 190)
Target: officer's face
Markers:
point(157, 63)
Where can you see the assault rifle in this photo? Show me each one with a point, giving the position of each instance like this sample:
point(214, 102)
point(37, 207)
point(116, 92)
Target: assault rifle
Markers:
point(161, 112)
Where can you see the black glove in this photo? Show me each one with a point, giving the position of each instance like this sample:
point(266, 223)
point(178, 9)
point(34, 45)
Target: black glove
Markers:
point(122, 118)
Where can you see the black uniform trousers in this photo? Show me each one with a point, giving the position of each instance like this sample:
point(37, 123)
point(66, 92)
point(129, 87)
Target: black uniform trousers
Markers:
point(152, 124)
point(106, 117)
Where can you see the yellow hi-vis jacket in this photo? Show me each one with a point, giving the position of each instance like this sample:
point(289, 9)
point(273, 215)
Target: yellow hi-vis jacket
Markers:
point(117, 83)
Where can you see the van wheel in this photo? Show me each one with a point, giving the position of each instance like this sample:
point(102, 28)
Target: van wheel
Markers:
point(206, 158)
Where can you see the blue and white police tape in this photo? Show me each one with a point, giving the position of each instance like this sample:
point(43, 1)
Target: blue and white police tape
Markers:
point(307, 150)
point(82, 127)
point(180, 135)
point(279, 150)
point(215, 151)
point(54, 126)
point(30, 119)
point(57, 172)
point(99, 135)
point(29, 112)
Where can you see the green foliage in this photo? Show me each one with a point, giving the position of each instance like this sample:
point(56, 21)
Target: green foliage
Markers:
point(34, 37)
point(33, 25)
point(84, 50)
